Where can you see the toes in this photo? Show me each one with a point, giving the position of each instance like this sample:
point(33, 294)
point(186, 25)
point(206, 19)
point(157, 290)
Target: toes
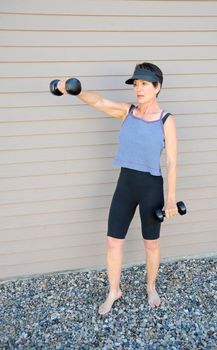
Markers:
point(158, 303)
point(151, 304)
point(104, 309)
point(154, 299)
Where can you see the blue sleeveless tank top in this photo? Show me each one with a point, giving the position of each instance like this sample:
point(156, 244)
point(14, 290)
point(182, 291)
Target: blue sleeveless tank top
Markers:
point(140, 144)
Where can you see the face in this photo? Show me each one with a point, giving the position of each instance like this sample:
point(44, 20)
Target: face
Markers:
point(145, 91)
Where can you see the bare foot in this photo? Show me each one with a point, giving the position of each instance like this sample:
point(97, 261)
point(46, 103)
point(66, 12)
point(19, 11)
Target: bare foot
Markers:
point(153, 297)
point(107, 305)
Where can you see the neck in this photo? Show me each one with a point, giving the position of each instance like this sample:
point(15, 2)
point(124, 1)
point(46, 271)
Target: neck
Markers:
point(149, 108)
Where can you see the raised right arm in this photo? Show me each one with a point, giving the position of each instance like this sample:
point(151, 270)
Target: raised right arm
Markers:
point(112, 108)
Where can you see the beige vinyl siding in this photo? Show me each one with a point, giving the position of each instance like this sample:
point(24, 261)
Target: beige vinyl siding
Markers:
point(56, 173)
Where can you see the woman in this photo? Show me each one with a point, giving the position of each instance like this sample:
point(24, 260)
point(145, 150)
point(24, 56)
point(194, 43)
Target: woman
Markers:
point(146, 129)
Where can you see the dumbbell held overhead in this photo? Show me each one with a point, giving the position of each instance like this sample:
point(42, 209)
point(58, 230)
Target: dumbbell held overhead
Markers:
point(182, 210)
point(72, 87)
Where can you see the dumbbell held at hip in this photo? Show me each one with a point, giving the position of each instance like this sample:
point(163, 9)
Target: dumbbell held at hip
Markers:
point(160, 214)
point(72, 87)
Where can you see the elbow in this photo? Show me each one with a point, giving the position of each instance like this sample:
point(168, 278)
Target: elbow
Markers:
point(171, 164)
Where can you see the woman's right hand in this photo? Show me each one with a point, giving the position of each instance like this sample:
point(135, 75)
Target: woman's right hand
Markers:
point(61, 86)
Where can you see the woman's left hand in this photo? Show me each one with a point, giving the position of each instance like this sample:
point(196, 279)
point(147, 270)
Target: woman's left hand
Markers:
point(170, 209)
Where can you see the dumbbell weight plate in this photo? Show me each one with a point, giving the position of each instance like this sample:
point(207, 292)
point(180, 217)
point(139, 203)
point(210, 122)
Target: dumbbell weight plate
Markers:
point(53, 88)
point(181, 208)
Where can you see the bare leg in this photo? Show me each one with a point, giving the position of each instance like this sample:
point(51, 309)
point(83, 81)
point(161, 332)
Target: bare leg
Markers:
point(114, 264)
point(152, 248)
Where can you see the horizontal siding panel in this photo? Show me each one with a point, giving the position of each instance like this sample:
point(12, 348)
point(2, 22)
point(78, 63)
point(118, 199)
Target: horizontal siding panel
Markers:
point(49, 194)
point(18, 85)
point(89, 152)
point(196, 181)
point(74, 204)
point(55, 218)
point(74, 23)
point(36, 182)
point(108, 176)
point(89, 203)
point(48, 168)
point(68, 242)
point(189, 107)
point(194, 249)
point(46, 267)
point(132, 8)
point(51, 254)
point(197, 146)
point(195, 120)
point(186, 113)
point(176, 251)
point(91, 232)
point(77, 230)
point(90, 191)
point(48, 244)
point(61, 140)
point(82, 165)
point(176, 240)
point(96, 261)
point(85, 54)
point(197, 133)
point(93, 138)
point(17, 271)
point(94, 151)
point(94, 69)
point(47, 254)
point(103, 124)
point(197, 158)
point(57, 154)
point(88, 125)
point(47, 99)
point(112, 39)
point(55, 127)
point(207, 207)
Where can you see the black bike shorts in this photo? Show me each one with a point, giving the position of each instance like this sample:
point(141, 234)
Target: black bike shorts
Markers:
point(134, 188)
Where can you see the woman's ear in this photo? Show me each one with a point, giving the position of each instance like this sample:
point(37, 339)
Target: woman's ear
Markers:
point(158, 88)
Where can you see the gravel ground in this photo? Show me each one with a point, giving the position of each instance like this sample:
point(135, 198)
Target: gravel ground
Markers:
point(59, 311)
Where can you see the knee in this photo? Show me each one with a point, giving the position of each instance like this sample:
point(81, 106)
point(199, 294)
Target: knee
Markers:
point(114, 243)
point(152, 245)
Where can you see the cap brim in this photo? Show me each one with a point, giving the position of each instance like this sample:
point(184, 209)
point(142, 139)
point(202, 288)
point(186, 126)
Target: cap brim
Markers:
point(145, 76)
point(129, 81)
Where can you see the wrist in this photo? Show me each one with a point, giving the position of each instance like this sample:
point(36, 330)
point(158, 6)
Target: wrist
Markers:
point(171, 198)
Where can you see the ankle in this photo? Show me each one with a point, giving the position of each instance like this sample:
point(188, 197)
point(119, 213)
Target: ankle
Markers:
point(151, 287)
point(114, 291)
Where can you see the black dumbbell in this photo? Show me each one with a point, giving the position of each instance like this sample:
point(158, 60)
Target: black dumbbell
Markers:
point(72, 86)
point(53, 88)
point(182, 210)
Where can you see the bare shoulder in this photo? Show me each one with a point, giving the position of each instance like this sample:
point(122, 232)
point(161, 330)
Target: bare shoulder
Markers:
point(170, 123)
point(170, 132)
point(125, 111)
point(113, 108)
